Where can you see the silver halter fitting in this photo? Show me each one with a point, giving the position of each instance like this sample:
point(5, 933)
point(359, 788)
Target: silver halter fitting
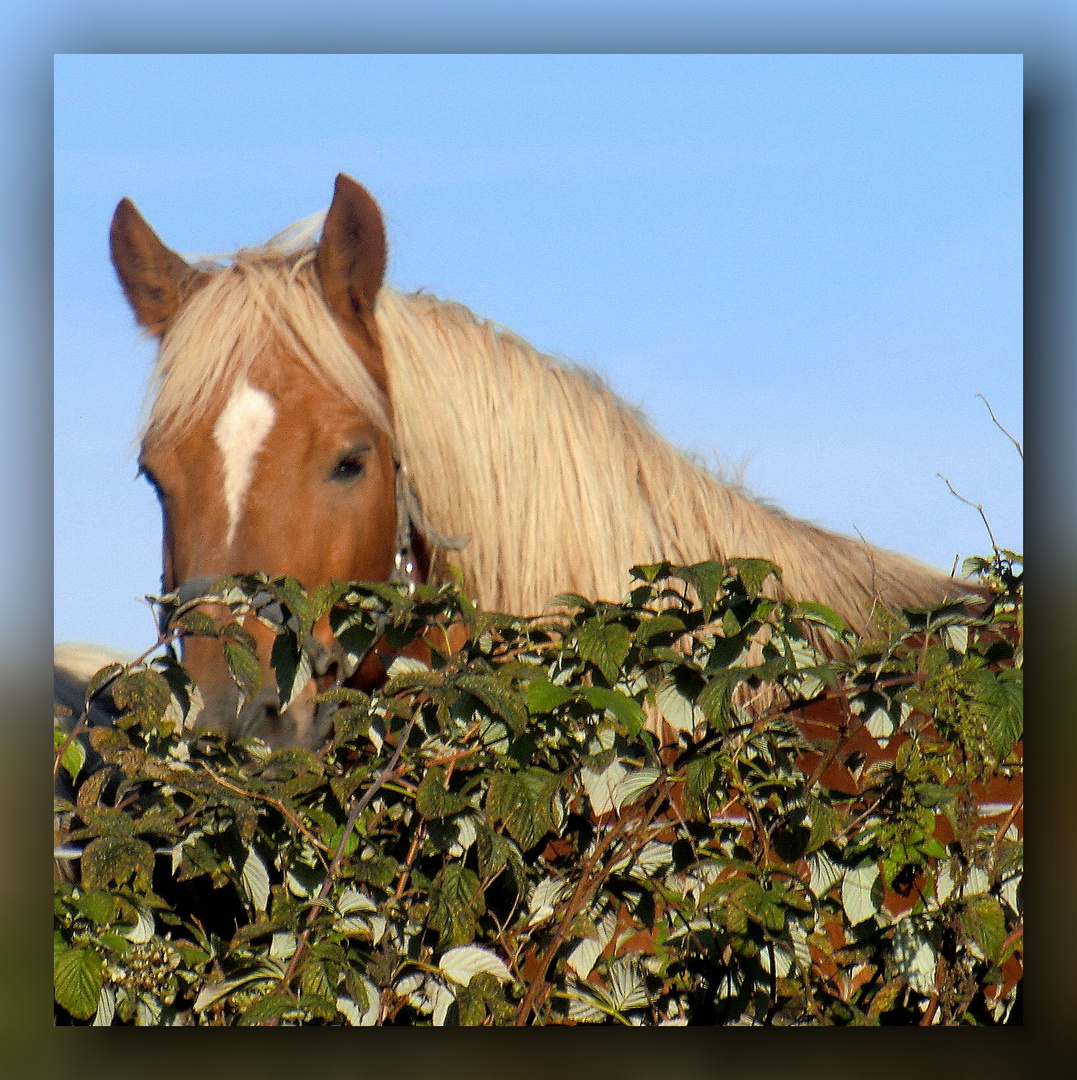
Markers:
point(409, 515)
point(403, 572)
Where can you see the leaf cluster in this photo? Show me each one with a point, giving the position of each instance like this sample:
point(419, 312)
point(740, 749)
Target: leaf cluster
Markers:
point(673, 810)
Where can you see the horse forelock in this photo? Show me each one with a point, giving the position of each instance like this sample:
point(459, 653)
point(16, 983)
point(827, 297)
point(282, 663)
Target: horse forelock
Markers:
point(263, 303)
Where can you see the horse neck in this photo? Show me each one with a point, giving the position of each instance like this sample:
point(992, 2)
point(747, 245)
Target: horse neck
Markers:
point(562, 487)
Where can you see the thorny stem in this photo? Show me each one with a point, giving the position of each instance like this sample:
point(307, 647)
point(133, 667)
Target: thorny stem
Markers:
point(584, 887)
point(849, 727)
point(349, 824)
point(589, 881)
point(1000, 834)
point(278, 803)
point(933, 1004)
point(413, 852)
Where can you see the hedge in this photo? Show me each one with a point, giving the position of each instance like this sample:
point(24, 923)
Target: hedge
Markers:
point(499, 837)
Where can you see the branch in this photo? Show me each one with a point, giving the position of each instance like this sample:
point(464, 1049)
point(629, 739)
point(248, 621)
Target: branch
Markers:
point(1000, 427)
point(349, 825)
point(975, 506)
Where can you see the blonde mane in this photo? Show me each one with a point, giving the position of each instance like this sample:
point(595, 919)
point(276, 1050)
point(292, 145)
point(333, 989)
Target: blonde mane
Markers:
point(559, 484)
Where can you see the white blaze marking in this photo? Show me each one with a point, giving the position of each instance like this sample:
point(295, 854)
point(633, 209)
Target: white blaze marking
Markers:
point(239, 432)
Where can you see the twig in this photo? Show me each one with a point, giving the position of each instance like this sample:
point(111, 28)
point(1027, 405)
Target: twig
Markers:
point(1016, 444)
point(975, 506)
point(1000, 833)
point(590, 879)
point(278, 803)
point(413, 851)
point(850, 726)
point(870, 552)
point(933, 1004)
point(349, 824)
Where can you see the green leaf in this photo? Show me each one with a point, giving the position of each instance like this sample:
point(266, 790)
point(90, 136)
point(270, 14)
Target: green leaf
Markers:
point(196, 623)
point(235, 631)
point(860, 892)
point(812, 612)
point(932, 848)
point(350, 723)
point(105, 675)
point(706, 578)
point(523, 800)
point(497, 698)
point(109, 741)
point(78, 975)
point(665, 623)
point(626, 710)
point(634, 784)
point(493, 850)
point(627, 989)
point(355, 631)
point(101, 908)
point(344, 695)
point(652, 572)
point(292, 666)
point(676, 700)
point(715, 699)
point(956, 637)
point(325, 597)
point(975, 564)
point(463, 963)
point(378, 870)
point(244, 667)
point(543, 696)
point(483, 997)
point(456, 903)
point(315, 986)
point(698, 776)
point(290, 593)
point(142, 689)
point(983, 920)
point(74, 756)
point(432, 800)
point(114, 859)
point(753, 572)
point(825, 821)
point(886, 997)
point(743, 893)
point(270, 1007)
point(1000, 700)
point(605, 645)
point(255, 879)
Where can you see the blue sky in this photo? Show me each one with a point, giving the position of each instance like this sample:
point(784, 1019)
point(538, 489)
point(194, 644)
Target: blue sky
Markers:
point(808, 265)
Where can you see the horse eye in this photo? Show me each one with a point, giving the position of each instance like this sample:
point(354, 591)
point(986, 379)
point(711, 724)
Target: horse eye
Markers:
point(349, 467)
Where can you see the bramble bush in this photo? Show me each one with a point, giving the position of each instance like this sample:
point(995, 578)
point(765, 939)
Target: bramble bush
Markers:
point(498, 837)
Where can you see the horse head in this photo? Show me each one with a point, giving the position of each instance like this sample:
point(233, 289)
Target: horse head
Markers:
point(266, 456)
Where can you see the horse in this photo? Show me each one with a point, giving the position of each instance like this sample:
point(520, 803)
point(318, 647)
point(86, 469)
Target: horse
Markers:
point(305, 418)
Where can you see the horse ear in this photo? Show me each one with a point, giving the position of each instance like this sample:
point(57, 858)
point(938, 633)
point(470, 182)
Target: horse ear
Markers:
point(154, 278)
point(352, 254)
